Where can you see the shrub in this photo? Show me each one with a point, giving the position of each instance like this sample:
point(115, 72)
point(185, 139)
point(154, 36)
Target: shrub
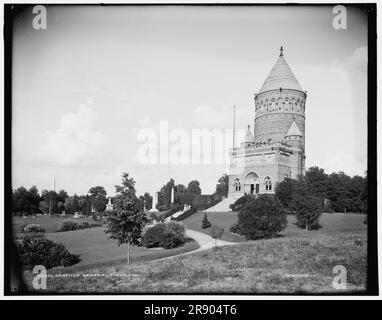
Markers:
point(242, 201)
point(235, 228)
point(162, 208)
point(167, 235)
point(205, 223)
point(27, 236)
point(96, 217)
point(38, 250)
point(216, 232)
point(152, 216)
point(308, 210)
point(175, 208)
point(152, 236)
point(262, 217)
point(31, 228)
point(186, 214)
point(176, 227)
point(171, 239)
point(87, 225)
point(67, 225)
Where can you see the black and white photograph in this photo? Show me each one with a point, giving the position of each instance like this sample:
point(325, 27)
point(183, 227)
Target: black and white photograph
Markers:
point(190, 149)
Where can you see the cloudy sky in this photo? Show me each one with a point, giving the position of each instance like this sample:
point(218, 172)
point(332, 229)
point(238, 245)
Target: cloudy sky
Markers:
point(86, 87)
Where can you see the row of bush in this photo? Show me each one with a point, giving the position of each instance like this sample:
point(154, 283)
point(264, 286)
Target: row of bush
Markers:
point(69, 225)
point(31, 228)
point(186, 214)
point(34, 248)
point(164, 234)
point(174, 209)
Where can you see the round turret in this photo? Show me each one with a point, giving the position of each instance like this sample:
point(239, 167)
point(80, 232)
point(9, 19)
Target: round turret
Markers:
point(293, 137)
point(248, 140)
point(279, 103)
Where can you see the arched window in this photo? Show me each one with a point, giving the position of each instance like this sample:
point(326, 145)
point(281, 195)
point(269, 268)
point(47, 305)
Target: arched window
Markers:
point(268, 183)
point(237, 185)
point(273, 105)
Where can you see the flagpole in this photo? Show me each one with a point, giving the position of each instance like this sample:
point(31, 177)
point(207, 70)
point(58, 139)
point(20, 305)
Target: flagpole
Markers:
point(234, 124)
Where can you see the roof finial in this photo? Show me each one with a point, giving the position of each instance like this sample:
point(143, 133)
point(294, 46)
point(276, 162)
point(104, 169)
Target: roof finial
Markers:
point(281, 51)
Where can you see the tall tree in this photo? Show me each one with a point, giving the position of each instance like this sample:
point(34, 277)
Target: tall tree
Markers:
point(345, 193)
point(194, 187)
point(308, 209)
point(34, 200)
point(72, 205)
point(26, 201)
point(222, 186)
point(98, 190)
point(99, 203)
point(98, 198)
point(285, 191)
point(86, 208)
point(60, 207)
point(44, 207)
point(180, 188)
point(125, 223)
point(51, 198)
point(21, 203)
point(317, 180)
point(62, 195)
point(148, 200)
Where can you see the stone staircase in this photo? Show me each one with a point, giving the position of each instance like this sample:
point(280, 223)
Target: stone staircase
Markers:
point(222, 206)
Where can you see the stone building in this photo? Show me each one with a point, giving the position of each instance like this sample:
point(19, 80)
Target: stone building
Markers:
point(275, 149)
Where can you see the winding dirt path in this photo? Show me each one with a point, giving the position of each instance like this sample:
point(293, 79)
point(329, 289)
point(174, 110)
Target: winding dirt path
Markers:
point(205, 242)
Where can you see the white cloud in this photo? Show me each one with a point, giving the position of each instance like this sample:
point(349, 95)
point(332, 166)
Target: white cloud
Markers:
point(357, 61)
point(74, 143)
point(207, 116)
point(346, 162)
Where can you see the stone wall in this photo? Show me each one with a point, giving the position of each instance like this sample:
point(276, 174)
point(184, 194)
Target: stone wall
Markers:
point(275, 111)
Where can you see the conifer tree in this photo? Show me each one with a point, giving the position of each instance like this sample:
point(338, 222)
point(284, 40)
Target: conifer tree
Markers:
point(205, 223)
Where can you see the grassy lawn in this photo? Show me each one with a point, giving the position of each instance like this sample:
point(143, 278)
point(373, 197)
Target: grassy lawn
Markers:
point(50, 224)
point(331, 223)
point(93, 245)
point(297, 262)
point(222, 219)
point(281, 265)
point(95, 248)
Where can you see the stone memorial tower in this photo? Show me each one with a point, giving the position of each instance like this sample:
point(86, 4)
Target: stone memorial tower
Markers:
point(276, 148)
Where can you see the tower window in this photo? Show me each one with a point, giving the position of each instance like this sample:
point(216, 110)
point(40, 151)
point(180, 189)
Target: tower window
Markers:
point(268, 184)
point(237, 185)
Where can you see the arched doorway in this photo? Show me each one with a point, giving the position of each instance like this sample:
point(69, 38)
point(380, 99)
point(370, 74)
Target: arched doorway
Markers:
point(252, 183)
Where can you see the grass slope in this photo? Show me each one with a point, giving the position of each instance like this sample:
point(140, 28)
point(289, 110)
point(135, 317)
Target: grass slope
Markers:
point(297, 262)
point(95, 248)
point(331, 223)
point(281, 265)
point(93, 245)
point(50, 224)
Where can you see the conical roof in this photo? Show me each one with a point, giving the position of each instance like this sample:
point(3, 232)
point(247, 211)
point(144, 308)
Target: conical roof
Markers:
point(281, 76)
point(248, 136)
point(294, 130)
